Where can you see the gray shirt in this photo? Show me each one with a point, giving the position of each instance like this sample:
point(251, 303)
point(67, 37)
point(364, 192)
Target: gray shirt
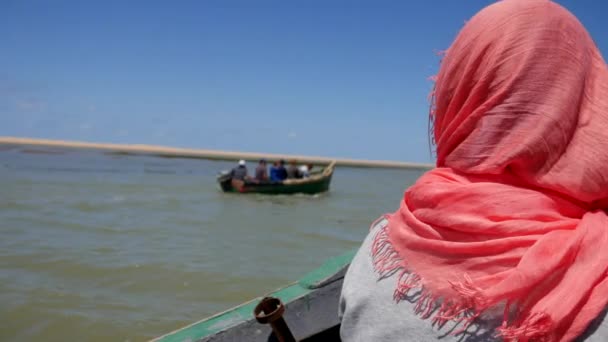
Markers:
point(369, 312)
point(239, 172)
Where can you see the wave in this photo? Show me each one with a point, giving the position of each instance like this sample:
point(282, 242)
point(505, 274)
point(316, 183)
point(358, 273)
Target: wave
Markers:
point(40, 151)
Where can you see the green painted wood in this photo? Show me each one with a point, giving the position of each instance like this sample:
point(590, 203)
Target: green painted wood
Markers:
point(229, 318)
point(203, 330)
point(313, 187)
point(304, 188)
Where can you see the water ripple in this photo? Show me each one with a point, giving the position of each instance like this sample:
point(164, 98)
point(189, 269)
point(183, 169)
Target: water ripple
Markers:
point(101, 247)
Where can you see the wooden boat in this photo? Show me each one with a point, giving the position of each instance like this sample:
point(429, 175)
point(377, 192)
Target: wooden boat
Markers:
point(311, 311)
point(316, 183)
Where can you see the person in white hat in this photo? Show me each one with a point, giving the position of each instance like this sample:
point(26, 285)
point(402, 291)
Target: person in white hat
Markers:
point(240, 172)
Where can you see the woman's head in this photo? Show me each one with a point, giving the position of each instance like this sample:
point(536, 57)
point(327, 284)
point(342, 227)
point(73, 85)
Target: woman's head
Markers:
point(523, 89)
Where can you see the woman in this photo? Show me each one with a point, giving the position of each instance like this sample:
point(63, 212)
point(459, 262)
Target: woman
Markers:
point(507, 238)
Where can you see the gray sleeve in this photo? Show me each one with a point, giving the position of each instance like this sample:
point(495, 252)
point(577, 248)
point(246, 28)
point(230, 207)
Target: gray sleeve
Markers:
point(369, 313)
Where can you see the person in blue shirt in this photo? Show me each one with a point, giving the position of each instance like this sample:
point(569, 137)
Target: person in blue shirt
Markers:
point(278, 173)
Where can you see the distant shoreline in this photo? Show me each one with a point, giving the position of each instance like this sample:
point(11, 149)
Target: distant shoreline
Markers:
point(172, 152)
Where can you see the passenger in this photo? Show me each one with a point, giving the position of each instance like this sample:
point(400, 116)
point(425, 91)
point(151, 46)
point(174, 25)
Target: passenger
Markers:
point(507, 238)
point(292, 170)
point(278, 172)
point(282, 170)
point(239, 172)
point(261, 172)
point(304, 171)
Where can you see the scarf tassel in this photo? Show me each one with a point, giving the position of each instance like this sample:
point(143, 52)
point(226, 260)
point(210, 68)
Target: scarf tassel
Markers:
point(464, 309)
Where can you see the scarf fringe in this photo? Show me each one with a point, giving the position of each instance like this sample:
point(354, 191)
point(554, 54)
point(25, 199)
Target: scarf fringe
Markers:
point(464, 310)
point(536, 327)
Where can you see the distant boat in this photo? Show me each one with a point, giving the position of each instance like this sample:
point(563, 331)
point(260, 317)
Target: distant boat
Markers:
point(310, 312)
point(317, 182)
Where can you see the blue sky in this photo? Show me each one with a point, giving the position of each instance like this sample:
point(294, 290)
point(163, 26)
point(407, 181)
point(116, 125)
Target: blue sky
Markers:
point(344, 78)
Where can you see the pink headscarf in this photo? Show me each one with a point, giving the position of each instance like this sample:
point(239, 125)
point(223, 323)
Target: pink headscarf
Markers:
point(514, 214)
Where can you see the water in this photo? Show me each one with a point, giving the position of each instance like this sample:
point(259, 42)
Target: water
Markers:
point(97, 246)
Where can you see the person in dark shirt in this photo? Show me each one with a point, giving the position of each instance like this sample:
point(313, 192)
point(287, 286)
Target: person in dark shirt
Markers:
point(239, 172)
point(282, 170)
point(261, 172)
point(278, 172)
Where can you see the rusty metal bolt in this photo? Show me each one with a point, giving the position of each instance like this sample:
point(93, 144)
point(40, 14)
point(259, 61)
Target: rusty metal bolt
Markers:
point(270, 311)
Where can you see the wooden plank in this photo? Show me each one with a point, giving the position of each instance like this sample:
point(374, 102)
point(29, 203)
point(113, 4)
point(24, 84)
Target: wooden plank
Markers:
point(311, 307)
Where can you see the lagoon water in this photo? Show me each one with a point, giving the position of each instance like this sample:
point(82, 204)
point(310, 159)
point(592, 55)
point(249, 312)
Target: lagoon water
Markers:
point(98, 246)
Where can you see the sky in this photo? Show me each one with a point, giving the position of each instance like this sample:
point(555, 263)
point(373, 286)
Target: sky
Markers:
point(336, 78)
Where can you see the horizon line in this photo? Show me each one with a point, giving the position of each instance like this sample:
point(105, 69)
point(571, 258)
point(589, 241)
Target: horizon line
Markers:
point(176, 152)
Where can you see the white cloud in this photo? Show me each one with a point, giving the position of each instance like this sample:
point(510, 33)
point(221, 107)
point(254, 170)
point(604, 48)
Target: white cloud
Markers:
point(292, 135)
point(85, 126)
point(122, 132)
point(30, 105)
